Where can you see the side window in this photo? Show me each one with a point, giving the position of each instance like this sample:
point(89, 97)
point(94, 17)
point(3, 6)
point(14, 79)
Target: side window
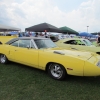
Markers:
point(80, 42)
point(74, 42)
point(24, 43)
point(70, 42)
point(67, 42)
point(40, 43)
point(15, 44)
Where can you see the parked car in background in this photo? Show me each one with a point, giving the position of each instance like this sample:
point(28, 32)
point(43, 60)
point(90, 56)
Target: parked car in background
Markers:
point(54, 38)
point(77, 43)
point(43, 54)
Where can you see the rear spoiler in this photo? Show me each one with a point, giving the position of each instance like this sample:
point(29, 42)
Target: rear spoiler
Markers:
point(4, 39)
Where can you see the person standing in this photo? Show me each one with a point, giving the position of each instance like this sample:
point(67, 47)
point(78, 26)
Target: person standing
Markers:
point(98, 40)
point(36, 34)
point(46, 36)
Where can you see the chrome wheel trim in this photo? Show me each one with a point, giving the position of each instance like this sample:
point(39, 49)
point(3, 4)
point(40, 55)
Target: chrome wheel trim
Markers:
point(3, 58)
point(56, 71)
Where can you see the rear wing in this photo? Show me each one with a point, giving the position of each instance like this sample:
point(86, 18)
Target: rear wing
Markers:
point(4, 39)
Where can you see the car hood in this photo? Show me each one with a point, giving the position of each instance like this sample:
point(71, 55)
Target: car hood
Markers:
point(74, 53)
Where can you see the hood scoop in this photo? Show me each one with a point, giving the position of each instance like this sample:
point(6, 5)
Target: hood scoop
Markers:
point(57, 52)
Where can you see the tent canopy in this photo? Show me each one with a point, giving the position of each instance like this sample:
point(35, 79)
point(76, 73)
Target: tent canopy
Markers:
point(8, 28)
point(68, 30)
point(42, 27)
point(84, 34)
point(13, 33)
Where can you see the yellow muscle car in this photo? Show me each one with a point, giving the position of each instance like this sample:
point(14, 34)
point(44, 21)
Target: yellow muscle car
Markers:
point(43, 54)
point(77, 43)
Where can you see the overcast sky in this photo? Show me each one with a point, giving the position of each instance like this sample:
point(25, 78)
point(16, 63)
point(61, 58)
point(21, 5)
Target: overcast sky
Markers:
point(76, 14)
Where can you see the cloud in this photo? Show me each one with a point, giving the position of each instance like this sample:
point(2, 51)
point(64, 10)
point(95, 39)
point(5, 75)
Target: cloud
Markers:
point(26, 13)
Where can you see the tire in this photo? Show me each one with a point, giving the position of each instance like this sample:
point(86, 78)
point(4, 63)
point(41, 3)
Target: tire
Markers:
point(56, 71)
point(3, 59)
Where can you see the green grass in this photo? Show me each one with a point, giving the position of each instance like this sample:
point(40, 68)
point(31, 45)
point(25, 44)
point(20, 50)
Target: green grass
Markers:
point(19, 82)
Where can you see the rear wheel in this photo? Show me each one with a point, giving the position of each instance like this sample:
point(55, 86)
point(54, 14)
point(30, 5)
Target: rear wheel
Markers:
point(56, 71)
point(3, 59)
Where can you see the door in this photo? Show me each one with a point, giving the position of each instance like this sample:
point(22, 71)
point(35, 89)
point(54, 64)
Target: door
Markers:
point(24, 52)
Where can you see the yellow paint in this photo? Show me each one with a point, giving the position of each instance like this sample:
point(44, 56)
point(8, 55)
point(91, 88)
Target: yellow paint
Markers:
point(4, 39)
point(81, 63)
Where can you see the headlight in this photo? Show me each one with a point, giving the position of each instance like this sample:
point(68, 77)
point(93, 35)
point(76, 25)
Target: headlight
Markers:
point(98, 64)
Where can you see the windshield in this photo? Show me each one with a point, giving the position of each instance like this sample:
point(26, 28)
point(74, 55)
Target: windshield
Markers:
point(44, 43)
point(88, 43)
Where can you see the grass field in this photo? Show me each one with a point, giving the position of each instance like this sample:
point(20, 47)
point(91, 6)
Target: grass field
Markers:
point(19, 82)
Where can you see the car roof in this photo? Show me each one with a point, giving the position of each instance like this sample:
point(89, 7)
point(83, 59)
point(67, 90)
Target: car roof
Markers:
point(31, 38)
point(67, 39)
point(22, 38)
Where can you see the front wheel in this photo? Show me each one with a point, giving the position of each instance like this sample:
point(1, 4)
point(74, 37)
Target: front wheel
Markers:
point(56, 71)
point(3, 59)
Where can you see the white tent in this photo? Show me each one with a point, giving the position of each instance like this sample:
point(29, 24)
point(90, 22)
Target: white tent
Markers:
point(8, 28)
